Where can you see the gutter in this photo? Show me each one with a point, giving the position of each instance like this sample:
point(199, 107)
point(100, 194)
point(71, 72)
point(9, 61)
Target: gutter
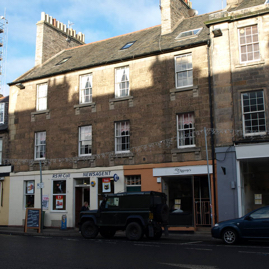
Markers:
point(157, 52)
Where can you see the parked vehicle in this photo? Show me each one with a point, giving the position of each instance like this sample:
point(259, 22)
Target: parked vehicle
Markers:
point(137, 213)
point(254, 225)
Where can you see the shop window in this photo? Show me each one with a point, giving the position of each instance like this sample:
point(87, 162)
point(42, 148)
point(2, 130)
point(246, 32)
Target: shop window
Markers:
point(2, 113)
point(41, 100)
point(122, 136)
point(85, 89)
point(249, 44)
point(29, 194)
point(185, 130)
point(133, 183)
point(59, 195)
point(85, 140)
point(122, 82)
point(184, 71)
point(40, 145)
point(253, 113)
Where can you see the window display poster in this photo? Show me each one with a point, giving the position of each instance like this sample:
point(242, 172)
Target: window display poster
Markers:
point(59, 201)
point(106, 184)
point(30, 187)
point(45, 202)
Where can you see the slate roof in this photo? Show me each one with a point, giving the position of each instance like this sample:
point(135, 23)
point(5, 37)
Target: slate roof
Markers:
point(148, 41)
point(248, 3)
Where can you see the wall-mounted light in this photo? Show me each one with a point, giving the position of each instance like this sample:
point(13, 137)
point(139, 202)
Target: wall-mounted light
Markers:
point(159, 179)
point(20, 86)
point(217, 32)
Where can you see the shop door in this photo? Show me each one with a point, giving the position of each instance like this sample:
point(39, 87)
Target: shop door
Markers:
point(82, 194)
point(202, 201)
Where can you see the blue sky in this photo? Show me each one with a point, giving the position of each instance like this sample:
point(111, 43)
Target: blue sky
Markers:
point(97, 19)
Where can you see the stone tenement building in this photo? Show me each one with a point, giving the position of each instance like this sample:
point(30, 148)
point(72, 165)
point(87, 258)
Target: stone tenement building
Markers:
point(131, 113)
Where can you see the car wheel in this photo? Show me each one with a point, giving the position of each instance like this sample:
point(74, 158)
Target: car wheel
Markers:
point(229, 236)
point(107, 233)
point(89, 230)
point(134, 231)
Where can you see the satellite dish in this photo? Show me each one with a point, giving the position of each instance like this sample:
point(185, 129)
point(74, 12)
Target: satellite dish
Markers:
point(192, 12)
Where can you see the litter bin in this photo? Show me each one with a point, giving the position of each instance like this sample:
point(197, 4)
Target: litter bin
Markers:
point(64, 221)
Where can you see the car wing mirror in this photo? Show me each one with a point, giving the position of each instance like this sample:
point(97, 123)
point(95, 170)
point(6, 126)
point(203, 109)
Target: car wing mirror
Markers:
point(248, 218)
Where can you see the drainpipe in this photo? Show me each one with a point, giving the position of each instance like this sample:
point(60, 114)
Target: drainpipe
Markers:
point(212, 140)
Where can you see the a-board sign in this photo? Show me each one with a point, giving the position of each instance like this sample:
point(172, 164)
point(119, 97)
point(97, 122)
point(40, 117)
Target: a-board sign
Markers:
point(32, 219)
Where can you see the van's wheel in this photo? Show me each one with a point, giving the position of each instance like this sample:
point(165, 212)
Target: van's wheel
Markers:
point(229, 236)
point(107, 233)
point(89, 230)
point(134, 231)
point(161, 213)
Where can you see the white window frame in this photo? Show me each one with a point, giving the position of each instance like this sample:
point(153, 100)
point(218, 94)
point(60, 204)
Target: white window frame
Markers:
point(244, 114)
point(41, 97)
point(248, 43)
point(181, 131)
point(133, 181)
point(84, 85)
point(122, 82)
point(29, 190)
point(87, 140)
point(39, 145)
point(64, 194)
point(2, 113)
point(186, 69)
point(120, 127)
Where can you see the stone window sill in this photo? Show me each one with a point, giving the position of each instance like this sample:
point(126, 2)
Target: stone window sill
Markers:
point(185, 150)
point(79, 106)
point(175, 90)
point(33, 114)
point(242, 65)
point(120, 99)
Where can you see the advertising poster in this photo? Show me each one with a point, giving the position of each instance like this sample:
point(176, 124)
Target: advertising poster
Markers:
point(59, 202)
point(106, 185)
point(30, 187)
point(45, 202)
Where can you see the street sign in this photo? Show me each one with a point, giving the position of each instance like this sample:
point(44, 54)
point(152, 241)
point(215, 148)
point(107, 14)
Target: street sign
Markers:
point(40, 185)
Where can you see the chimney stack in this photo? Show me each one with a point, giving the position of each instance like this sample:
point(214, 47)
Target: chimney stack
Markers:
point(52, 37)
point(173, 12)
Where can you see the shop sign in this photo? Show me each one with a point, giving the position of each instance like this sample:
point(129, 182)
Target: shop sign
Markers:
point(183, 170)
point(97, 174)
point(64, 175)
point(116, 177)
point(59, 201)
point(106, 185)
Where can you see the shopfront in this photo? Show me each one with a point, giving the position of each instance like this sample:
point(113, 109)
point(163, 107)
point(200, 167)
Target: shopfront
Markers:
point(252, 176)
point(187, 189)
point(63, 193)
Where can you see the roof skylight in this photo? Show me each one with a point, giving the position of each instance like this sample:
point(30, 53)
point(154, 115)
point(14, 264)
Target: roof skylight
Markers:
point(63, 61)
point(128, 45)
point(189, 33)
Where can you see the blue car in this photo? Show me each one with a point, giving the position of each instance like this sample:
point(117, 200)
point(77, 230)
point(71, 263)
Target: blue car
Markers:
point(254, 225)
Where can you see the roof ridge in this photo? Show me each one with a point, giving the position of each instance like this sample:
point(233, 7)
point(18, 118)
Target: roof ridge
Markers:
point(113, 37)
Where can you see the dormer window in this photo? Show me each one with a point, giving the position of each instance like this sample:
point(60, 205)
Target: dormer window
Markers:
point(190, 33)
point(127, 45)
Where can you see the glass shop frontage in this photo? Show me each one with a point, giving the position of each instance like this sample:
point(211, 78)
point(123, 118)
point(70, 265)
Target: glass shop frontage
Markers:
point(187, 189)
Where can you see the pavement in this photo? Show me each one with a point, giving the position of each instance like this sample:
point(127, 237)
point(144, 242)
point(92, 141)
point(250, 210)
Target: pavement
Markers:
point(202, 234)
